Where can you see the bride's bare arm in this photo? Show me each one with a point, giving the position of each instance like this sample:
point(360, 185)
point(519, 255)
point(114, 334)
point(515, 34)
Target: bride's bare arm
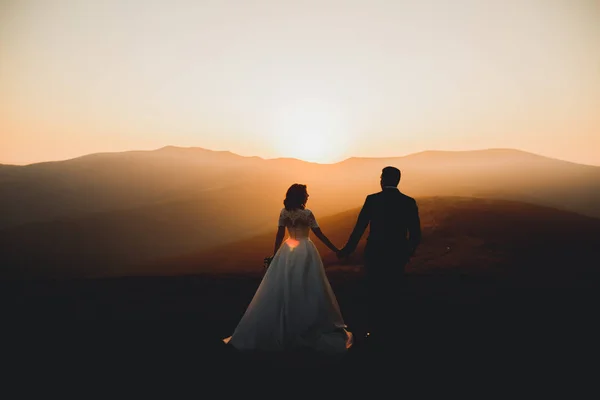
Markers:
point(318, 233)
point(279, 238)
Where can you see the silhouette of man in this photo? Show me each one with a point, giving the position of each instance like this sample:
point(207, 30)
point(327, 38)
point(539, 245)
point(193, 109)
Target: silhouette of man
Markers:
point(394, 234)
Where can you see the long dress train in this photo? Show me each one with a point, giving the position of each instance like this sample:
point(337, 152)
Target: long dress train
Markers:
point(294, 306)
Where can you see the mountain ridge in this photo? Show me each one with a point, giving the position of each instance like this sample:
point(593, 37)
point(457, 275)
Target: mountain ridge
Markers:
point(173, 148)
point(164, 202)
point(105, 181)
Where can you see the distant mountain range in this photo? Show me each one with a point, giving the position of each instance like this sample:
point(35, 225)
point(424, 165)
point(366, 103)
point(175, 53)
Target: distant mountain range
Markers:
point(110, 211)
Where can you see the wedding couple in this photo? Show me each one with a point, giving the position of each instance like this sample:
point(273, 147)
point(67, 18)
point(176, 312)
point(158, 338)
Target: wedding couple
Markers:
point(295, 307)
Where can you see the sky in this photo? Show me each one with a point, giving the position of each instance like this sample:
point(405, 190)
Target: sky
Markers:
point(318, 80)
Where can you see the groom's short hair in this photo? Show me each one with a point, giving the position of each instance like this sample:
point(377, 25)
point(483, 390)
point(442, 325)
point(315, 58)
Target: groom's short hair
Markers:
point(390, 176)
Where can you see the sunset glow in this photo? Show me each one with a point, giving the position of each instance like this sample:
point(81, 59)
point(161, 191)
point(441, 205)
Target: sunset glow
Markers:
point(311, 130)
point(292, 243)
point(317, 80)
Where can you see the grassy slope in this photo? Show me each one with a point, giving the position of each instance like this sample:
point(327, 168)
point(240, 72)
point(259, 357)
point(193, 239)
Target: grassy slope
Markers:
point(460, 235)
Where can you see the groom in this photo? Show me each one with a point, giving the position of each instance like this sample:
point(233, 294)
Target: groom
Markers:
point(395, 233)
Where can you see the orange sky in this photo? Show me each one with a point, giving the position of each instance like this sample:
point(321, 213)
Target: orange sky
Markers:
point(317, 80)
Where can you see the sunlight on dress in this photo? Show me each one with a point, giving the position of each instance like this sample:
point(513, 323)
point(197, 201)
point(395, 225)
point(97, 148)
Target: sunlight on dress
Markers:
point(294, 306)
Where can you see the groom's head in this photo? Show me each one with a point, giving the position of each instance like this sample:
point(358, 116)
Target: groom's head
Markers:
point(390, 176)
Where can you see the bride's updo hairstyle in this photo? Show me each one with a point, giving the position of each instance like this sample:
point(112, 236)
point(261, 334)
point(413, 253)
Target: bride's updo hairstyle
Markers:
point(296, 197)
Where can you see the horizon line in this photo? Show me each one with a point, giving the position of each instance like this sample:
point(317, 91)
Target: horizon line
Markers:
point(298, 159)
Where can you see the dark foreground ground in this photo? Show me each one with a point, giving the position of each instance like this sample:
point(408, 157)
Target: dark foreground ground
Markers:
point(163, 326)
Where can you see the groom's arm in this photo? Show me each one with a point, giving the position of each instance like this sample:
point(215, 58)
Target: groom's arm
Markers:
point(361, 225)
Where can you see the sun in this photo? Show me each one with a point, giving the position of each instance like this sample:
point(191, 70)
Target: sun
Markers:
point(310, 130)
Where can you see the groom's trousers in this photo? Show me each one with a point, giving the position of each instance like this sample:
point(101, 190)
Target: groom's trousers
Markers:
point(384, 284)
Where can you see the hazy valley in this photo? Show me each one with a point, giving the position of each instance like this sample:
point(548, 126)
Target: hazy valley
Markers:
point(122, 213)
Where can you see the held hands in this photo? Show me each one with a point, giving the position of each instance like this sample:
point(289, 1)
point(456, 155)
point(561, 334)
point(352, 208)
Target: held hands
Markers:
point(338, 253)
point(335, 250)
point(341, 254)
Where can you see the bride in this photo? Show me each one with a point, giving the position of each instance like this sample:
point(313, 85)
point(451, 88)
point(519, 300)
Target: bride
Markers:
point(294, 306)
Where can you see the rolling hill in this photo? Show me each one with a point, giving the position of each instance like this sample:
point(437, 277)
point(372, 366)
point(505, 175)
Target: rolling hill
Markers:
point(120, 181)
point(111, 211)
point(465, 236)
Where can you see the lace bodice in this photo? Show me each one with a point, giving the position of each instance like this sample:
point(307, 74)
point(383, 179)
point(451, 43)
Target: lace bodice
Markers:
point(298, 222)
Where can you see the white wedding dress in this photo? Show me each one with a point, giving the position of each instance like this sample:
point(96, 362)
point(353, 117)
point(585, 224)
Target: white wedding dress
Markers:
point(294, 306)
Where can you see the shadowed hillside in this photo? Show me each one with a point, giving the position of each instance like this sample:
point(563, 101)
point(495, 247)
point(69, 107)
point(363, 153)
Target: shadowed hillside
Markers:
point(495, 173)
point(114, 181)
point(105, 213)
point(536, 307)
point(453, 318)
point(122, 181)
point(479, 237)
point(107, 242)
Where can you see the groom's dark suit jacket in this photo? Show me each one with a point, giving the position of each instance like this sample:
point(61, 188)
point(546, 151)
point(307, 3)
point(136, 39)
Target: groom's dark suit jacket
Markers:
point(395, 229)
